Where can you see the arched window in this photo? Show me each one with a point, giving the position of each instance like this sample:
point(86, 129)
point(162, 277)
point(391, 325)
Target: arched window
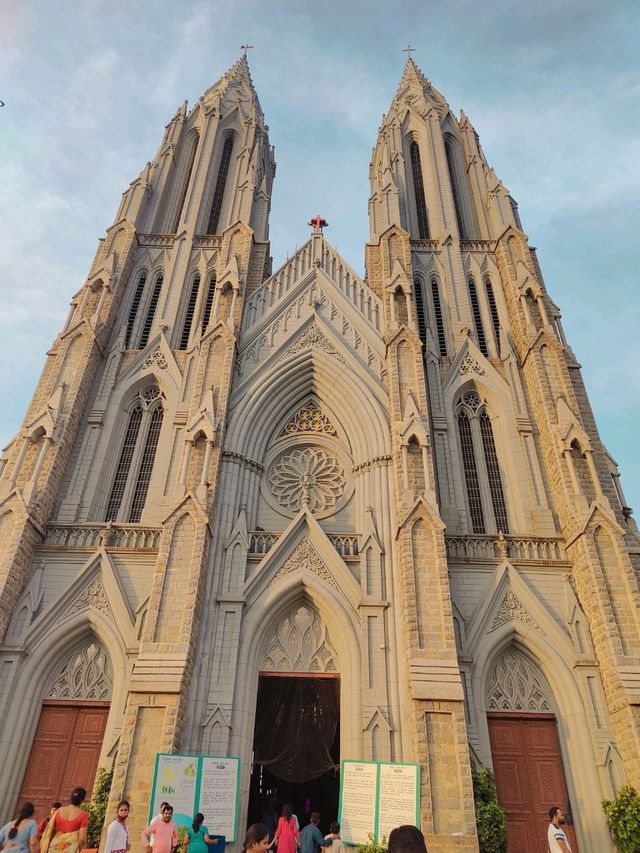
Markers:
point(191, 307)
point(183, 178)
point(418, 188)
point(133, 472)
point(483, 480)
point(420, 312)
point(455, 190)
point(135, 304)
point(493, 309)
point(437, 310)
point(221, 182)
point(208, 304)
point(151, 310)
point(477, 317)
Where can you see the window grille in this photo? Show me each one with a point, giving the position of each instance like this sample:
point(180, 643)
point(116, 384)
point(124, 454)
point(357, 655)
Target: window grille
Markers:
point(493, 473)
point(135, 304)
point(477, 317)
point(218, 195)
point(146, 466)
point(471, 473)
point(122, 471)
point(151, 310)
point(206, 314)
point(191, 307)
point(493, 308)
point(185, 185)
point(437, 310)
point(449, 150)
point(420, 312)
point(418, 188)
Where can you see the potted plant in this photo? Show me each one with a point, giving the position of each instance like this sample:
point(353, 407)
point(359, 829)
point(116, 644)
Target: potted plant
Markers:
point(97, 808)
point(372, 847)
point(623, 819)
point(491, 822)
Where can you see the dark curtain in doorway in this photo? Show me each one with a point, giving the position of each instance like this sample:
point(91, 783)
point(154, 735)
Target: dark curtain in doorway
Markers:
point(296, 723)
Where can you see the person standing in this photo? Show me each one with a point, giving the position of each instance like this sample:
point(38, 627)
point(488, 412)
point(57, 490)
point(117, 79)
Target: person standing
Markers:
point(556, 837)
point(286, 832)
point(257, 839)
point(270, 817)
point(66, 832)
point(334, 835)
point(45, 820)
point(163, 832)
point(311, 836)
point(406, 839)
point(118, 834)
point(21, 834)
point(198, 836)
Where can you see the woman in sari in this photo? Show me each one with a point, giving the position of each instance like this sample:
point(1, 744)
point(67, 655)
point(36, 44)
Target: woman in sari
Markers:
point(21, 835)
point(66, 832)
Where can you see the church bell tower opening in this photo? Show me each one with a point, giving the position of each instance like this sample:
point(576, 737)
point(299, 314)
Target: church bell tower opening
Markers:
point(296, 747)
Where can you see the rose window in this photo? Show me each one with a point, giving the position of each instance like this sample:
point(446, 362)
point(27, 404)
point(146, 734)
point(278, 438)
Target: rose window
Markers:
point(308, 477)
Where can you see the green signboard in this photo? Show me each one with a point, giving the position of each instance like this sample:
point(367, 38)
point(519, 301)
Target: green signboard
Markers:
point(375, 797)
point(198, 783)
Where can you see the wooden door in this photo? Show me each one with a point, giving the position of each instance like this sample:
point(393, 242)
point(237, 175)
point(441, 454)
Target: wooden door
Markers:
point(529, 778)
point(65, 752)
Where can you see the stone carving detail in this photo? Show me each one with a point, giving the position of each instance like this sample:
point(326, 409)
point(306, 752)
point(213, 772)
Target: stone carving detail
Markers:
point(91, 596)
point(151, 392)
point(308, 477)
point(85, 675)
point(470, 365)
point(472, 401)
point(516, 685)
point(310, 418)
point(512, 608)
point(305, 557)
point(156, 359)
point(312, 339)
point(300, 643)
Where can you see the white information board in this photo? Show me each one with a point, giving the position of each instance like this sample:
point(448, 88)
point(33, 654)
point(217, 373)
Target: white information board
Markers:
point(358, 796)
point(398, 797)
point(218, 800)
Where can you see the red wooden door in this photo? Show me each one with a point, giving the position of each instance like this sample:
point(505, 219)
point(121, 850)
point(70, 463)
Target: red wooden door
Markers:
point(529, 778)
point(65, 752)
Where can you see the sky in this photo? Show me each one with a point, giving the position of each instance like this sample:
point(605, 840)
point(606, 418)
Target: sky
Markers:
point(552, 87)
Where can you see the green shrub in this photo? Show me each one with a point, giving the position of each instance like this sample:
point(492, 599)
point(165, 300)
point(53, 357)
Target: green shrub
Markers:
point(491, 822)
point(97, 807)
point(623, 819)
point(372, 847)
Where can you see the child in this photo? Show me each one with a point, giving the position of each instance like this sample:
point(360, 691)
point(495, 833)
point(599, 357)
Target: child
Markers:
point(336, 847)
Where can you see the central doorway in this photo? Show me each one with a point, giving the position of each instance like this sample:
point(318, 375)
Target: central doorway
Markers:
point(296, 747)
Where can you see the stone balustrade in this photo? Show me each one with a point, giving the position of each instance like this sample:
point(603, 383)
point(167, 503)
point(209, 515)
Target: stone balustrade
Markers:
point(87, 537)
point(346, 544)
point(522, 549)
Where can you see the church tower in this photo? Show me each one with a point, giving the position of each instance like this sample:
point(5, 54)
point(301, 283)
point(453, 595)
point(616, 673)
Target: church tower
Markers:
point(494, 436)
point(105, 495)
point(299, 516)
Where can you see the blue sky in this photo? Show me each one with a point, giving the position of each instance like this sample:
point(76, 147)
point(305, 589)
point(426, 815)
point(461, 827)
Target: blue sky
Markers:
point(552, 87)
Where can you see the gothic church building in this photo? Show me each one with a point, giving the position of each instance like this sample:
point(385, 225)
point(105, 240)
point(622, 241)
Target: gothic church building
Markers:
point(394, 485)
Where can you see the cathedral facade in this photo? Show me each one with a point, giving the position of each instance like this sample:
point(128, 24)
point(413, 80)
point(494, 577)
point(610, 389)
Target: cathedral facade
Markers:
point(395, 483)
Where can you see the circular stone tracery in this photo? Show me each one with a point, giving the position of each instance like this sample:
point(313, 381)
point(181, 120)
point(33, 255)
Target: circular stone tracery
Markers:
point(308, 477)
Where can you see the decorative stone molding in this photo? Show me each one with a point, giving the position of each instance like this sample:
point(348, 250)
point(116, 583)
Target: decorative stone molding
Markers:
point(511, 608)
point(470, 365)
point(299, 643)
point(516, 685)
point(312, 338)
point(85, 675)
point(309, 418)
point(156, 359)
point(305, 557)
point(309, 477)
point(92, 596)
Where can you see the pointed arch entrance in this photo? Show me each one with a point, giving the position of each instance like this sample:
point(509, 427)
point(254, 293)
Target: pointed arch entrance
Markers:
point(296, 746)
point(71, 727)
point(525, 750)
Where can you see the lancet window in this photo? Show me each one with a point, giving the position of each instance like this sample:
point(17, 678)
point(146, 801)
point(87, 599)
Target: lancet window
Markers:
point(208, 304)
point(421, 315)
point(191, 307)
point(135, 465)
point(493, 309)
point(151, 311)
point(437, 311)
point(221, 182)
point(135, 305)
point(482, 475)
point(477, 317)
point(184, 177)
point(418, 188)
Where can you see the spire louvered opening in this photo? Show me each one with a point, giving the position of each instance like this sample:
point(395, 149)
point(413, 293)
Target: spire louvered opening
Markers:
point(221, 182)
point(493, 473)
point(191, 307)
point(455, 189)
point(420, 311)
point(477, 317)
point(151, 311)
point(185, 177)
point(146, 465)
point(124, 464)
point(135, 305)
point(437, 310)
point(208, 304)
point(471, 473)
point(418, 188)
point(493, 309)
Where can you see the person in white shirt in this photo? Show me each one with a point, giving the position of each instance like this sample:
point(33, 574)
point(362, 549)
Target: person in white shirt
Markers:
point(336, 847)
point(118, 834)
point(556, 837)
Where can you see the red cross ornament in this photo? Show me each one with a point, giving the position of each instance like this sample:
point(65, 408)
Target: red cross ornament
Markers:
point(318, 223)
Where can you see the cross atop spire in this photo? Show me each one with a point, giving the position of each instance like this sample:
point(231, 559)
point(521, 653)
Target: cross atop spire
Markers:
point(318, 223)
point(245, 48)
point(408, 50)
